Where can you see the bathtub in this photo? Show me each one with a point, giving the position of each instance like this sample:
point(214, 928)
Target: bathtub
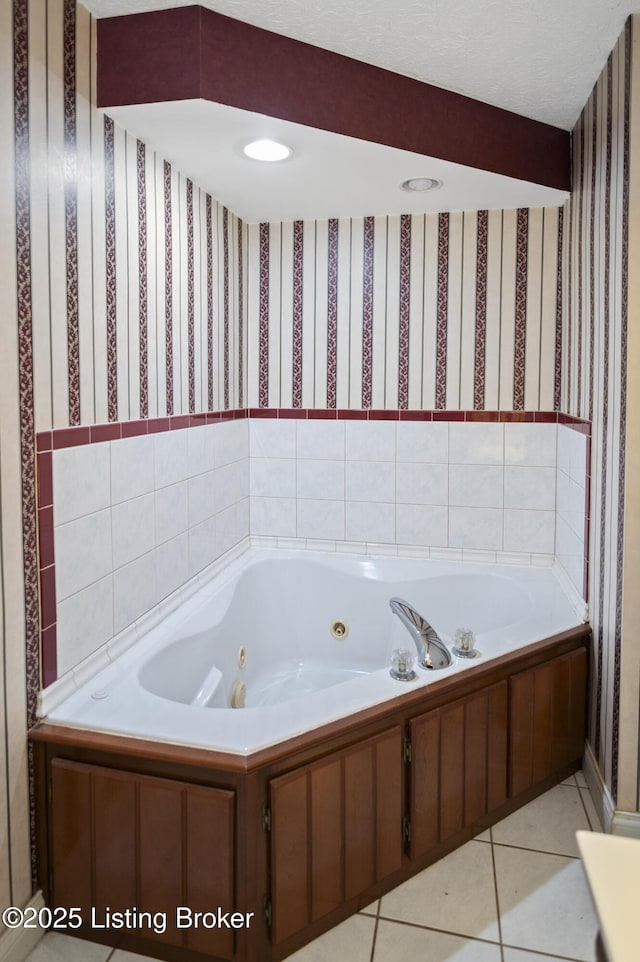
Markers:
point(307, 637)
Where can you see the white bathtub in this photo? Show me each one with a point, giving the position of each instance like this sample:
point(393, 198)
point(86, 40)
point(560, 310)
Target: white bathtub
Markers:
point(175, 683)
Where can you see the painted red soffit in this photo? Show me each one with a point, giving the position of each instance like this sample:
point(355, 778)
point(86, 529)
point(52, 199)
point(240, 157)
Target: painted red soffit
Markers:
point(191, 52)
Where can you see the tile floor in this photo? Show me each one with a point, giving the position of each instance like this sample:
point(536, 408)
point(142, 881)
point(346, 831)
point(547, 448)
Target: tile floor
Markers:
point(516, 893)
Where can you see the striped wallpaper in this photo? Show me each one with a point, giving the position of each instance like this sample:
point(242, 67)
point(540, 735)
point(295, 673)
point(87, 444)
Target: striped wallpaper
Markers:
point(437, 311)
point(129, 305)
point(139, 296)
point(595, 270)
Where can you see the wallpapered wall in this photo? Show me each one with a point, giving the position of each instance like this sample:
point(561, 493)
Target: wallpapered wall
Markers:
point(129, 305)
point(595, 272)
point(439, 311)
point(138, 295)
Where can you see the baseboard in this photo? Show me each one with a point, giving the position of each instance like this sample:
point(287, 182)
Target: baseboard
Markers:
point(615, 821)
point(599, 792)
point(626, 823)
point(16, 944)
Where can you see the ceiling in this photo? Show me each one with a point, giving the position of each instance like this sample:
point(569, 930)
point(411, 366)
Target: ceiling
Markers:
point(540, 59)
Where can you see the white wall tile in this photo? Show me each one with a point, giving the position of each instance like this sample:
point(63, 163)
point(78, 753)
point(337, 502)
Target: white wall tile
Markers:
point(370, 440)
point(134, 589)
point(571, 503)
point(172, 511)
point(423, 441)
point(83, 553)
point(201, 449)
point(475, 528)
point(530, 444)
point(530, 488)
point(81, 481)
point(321, 519)
point(172, 565)
point(85, 621)
point(202, 498)
point(171, 456)
point(274, 516)
point(418, 524)
point(370, 521)
point(476, 442)
point(320, 439)
point(476, 485)
point(132, 468)
point(370, 481)
point(133, 529)
point(572, 454)
point(231, 483)
point(272, 477)
point(232, 526)
point(419, 483)
point(320, 479)
point(202, 545)
point(272, 438)
point(529, 531)
point(231, 441)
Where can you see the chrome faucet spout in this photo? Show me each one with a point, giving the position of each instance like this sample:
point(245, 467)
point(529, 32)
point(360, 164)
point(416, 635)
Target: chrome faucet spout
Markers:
point(423, 634)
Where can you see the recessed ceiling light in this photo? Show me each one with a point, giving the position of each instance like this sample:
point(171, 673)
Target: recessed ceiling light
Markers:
point(267, 150)
point(420, 183)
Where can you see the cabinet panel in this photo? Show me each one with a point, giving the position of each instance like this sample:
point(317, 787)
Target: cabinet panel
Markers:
point(459, 766)
point(336, 829)
point(547, 719)
point(359, 823)
point(132, 841)
point(327, 839)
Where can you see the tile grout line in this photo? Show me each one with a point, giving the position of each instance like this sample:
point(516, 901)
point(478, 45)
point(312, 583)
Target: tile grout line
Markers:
point(495, 888)
point(375, 931)
point(433, 928)
point(544, 955)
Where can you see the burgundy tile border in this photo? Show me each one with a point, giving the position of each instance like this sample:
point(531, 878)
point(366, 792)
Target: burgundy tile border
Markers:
point(44, 471)
point(46, 441)
point(48, 596)
point(69, 437)
point(45, 536)
point(49, 656)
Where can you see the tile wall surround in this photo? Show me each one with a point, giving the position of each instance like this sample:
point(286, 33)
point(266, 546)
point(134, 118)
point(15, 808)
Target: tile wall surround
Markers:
point(131, 512)
point(126, 521)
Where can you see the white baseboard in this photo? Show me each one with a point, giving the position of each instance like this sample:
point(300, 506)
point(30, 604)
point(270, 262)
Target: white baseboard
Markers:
point(614, 820)
point(16, 944)
point(599, 792)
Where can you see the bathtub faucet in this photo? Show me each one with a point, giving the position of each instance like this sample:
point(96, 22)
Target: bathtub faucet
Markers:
point(426, 638)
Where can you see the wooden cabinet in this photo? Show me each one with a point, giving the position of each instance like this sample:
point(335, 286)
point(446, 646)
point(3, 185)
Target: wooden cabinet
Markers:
point(458, 766)
point(312, 829)
point(547, 719)
point(122, 841)
point(336, 830)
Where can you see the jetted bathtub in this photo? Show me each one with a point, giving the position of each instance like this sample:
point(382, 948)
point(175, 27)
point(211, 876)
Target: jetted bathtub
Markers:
point(304, 638)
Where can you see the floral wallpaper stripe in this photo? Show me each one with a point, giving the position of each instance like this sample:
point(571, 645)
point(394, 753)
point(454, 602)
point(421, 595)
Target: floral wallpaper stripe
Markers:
point(595, 372)
point(439, 311)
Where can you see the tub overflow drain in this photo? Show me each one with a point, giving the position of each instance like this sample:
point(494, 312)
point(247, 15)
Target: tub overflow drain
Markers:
point(339, 629)
point(242, 657)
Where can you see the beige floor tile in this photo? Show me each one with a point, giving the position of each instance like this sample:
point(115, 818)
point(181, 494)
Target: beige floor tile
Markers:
point(592, 814)
point(571, 780)
point(548, 823)
point(371, 909)
point(121, 956)
point(484, 836)
point(521, 955)
point(55, 947)
point(400, 943)
point(545, 904)
point(456, 894)
point(350, 940)
point(581, 780)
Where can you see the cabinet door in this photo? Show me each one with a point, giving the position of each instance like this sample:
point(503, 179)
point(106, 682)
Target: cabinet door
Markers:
point(127, 841)
point(336, 830)
point(458, 766)
point(547, 719)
